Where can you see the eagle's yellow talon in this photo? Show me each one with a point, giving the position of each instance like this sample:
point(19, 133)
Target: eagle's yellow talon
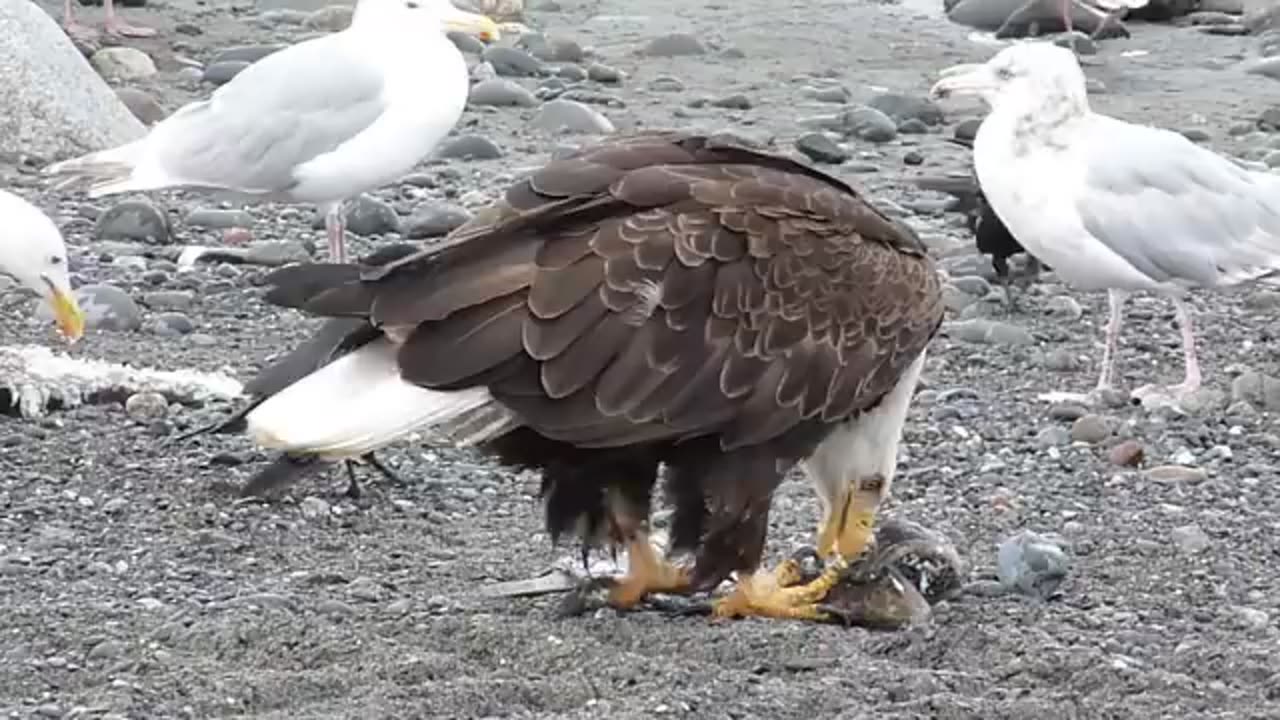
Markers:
point(646, 573)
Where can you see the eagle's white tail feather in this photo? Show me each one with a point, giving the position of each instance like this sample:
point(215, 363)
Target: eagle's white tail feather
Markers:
point(357, 404)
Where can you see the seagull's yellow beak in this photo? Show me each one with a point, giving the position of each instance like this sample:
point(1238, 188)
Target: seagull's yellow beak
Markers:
point(480, 26)
point(66, 312)
point(966, 79)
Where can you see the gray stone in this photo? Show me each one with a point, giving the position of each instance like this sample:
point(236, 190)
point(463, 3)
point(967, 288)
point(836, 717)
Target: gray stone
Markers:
point(820, 148)
point(606, 74)
point(1191, 539)
point(367, 215)
point(134, 220)
point(1090, 429)
point(55, 105)
point(901, 108)
point(868, 123)
point(1261, 391)
point(499, 92)
point(146, 406)
point(513, 62)
point(434, 220)
point(220, 73)
point(123, 63)
point(218, 219)
point(245, 53)
point(142, 104)
point(1031, 564)
point(571, 116)
point(674, 45)
point(470, 147)
point(333, 18)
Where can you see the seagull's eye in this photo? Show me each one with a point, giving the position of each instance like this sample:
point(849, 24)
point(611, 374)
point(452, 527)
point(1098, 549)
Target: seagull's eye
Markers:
point(55, 260)
point(411, 5)
point(1004, 73)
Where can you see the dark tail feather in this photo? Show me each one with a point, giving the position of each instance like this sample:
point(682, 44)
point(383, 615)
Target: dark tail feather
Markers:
point(281, 473)
point(330, 289)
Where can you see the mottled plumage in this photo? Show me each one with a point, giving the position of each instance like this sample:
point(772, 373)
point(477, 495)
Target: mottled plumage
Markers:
point(660, 298)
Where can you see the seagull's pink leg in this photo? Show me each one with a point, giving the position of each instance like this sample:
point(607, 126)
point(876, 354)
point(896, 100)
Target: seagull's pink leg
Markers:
point(82, 33)
point(336, 226)
point(1115, 298)
point(1191, 379)
point(120, 28)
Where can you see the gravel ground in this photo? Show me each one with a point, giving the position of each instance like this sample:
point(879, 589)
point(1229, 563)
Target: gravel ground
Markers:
point(134, 584)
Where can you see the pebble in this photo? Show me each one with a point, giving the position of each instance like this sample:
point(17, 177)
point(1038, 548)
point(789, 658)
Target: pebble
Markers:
point(500, 92)
point(820, 148)
point(134, 220)
point(146, 406)
point(674, 45)
point(314, 508)
point(513, 62)
point(142, 104)
point(1128, 453)
point(218, 218)
point(1031, 565)
point(666, 84)
point(221, 73)
point(333, 18)
point(1191, 539)
point(868, 123)
point(466, 43)
point(470, 147)
point(123, 63)
point(170, 324)
point(1175, 474)
point(366, 589)
point(556, 50)
point(169, 299)
point(573, 117)
point(902, 108)
point(989, 332)
point(605, 74)
point(434, 220)
point(245, 53)
point(368, 215)
point(1260, 391)
point(1091, 429)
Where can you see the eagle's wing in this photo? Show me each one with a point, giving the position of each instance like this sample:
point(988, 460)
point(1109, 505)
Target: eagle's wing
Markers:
point(663, 286)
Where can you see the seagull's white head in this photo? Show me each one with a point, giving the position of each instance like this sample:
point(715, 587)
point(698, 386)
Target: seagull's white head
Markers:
point(33, 253)
point(431, 15)
point(1024, 77)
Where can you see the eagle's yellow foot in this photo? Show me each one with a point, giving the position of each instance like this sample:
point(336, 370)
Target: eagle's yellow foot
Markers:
point(646, 573)
point(761, 595)
point(848, 531)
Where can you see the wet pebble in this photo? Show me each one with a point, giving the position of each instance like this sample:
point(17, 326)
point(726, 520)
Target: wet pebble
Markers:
point(221, 73)
point(134, 220)
point(674, 45)
point(571, 116)
point(820, 148)
point(499, 92)
point(434, 220)
point(513, 62)
point(1031, 564)
point(368, 215)
point(470, 147)
point(868, 123)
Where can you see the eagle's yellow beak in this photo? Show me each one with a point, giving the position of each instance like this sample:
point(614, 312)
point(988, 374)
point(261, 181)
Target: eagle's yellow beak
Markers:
point(66, 313)
point(480, 26)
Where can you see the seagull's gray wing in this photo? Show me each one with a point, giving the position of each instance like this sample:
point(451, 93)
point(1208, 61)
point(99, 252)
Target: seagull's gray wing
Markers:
point(1177, 212)
point(277, 114)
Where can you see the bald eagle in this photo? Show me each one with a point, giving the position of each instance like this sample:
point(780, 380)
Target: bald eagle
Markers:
point(658, 299)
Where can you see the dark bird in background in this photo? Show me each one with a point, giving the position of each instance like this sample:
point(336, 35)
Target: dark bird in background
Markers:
point(334, 339)
point(990, 234)
point(661, 300)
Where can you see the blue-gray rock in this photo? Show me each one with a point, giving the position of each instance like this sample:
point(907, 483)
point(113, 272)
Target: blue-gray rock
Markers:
point(170, 324)
point(513, 62)
point(55, 105)
point(901, 108)
point(1031, 565)
point(367, 215)
point(571, 73)
point(820, 148)
point(218, 218)
point(467, 43)
point(666, 83)
point(470, 147)
point(674, 45)
point(106, 307)
point(606, 74)
point(571, 116)
point(136, 221)
point(733, 101)
point(500, 92)
point(245, 53)
point(868, 123)
point(558, 51)
point(142, 104)
point(434, 220)
point(169, 300)
point(220, 73)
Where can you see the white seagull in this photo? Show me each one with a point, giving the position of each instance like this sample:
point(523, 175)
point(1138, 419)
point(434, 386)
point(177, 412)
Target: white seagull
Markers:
point(1110, 204)
point(318, 122)
point(33, 252)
